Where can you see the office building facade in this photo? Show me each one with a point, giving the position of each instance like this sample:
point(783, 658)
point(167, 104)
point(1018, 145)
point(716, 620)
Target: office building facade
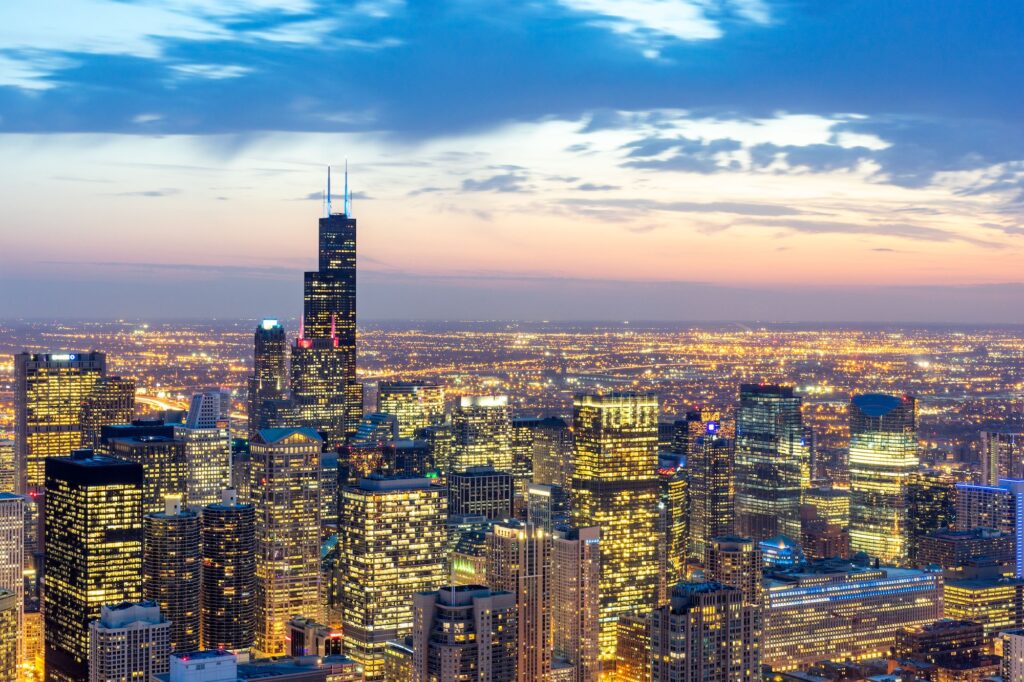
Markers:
point(129, 641)
point(615, 488)
point(416, 405)
point(575, 599)
point(285, 494)
point(269, 380)
point(93, 529)
point(482, 430)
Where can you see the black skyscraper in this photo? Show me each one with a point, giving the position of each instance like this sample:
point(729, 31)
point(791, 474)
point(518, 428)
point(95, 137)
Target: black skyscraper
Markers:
point(327, 397)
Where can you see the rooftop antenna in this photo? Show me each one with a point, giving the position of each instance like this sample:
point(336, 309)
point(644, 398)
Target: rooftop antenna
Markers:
point(347, 209)
point(327, 206)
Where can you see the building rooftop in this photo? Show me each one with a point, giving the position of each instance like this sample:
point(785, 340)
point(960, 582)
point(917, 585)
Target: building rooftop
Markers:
point(876, 404)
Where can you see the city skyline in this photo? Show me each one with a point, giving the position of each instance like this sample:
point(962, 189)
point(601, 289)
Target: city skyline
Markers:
point(650, 159)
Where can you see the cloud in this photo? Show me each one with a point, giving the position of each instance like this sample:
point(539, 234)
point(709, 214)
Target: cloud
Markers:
point(151, 193)
point(898, 230)
point(591, 187)
point(730, 207)
point(505, 182)
point(211, 71)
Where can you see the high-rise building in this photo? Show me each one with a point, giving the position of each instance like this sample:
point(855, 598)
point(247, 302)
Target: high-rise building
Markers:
point(12, 558)
point(207, 459)
point(984, 596)
point(464, 632)
point(633, 648)
point(227, 594)
point(945, 637)
point(93, 551)
point(547, 506)
point(269, 380)
point(129, 641)
point(111, 401)
point(708, 631)
point(415, 404)
point(736, 562)
point(49, 392)
point(883, 454)
point(771, 458)
point(285, 493)
point(1012, 668)
point(575, 599)
point(615, 487)
point(931, 506)
point(519, 561)
point(1002, 455)
point(802, 603)
point(171, 565)
point(480, 490)
point(8, 467)
point(483, 433)
point(324, 388)
point(398, 661)
point(440, 442)
point(552, 453)
point(673, 507)
point(164, 464)
point(10, 634)
point(954, 549)
point(709, 468)
point(391, 540)
point(209, 409)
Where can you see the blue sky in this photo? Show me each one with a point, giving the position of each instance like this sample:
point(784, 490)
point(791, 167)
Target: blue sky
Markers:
point(674, 159)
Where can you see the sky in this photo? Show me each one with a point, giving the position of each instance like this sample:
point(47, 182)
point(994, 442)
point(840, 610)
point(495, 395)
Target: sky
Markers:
point(773, 160)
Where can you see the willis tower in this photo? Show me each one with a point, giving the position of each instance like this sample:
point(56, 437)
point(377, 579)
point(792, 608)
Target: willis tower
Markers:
point(324, 389)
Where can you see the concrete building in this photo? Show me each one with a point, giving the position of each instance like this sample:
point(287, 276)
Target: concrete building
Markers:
point(129, 641)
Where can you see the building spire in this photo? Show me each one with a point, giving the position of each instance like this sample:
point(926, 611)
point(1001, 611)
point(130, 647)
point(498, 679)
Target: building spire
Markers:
point(302, 325)
point(327, 204)
point(347, 204)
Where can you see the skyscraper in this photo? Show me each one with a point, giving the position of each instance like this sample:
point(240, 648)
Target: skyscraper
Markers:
point(111, 401)
point(207, 438)
point(708, 631)
point(552, 453)
point(324, 388)
point(736, 562)
point(164, 465)
point(8, 467)
point(615, 488)
point(129, 641)
point(227, 594)
point(931, 506)
point(575, 599)
point(518, 561)
point(709, 466)
point(771, 455)
point(483, 433)
point(883, 454)
point(269, 380)
point(391, 539)
point(170, 569)
point(462, 633)
point(49, 392)
point(674, 508)
point(415, 404)
point(10, 634)
point(93, 551)
point(12, 558)
point(1002, 455)
point(480, 490)
point(285, 491)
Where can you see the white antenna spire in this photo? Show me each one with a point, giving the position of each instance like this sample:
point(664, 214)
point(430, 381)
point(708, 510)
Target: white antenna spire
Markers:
point(347, 205)
point(327, 203)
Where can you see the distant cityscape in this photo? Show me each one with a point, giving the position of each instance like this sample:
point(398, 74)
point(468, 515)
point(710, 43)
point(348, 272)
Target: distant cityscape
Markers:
point(213, 501)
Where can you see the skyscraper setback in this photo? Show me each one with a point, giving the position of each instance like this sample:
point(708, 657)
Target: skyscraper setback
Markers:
point(326, 395)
